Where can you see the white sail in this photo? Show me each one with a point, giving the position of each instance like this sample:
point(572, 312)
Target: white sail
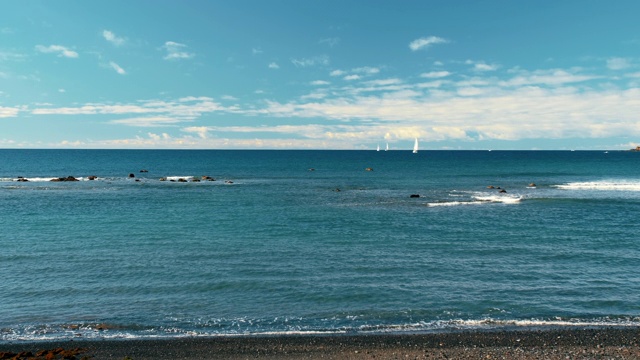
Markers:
point(415, 147)
point(378, 149)
point(387, 148)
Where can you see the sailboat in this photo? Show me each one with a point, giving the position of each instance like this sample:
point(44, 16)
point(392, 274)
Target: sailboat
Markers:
point(387, 148)
point(378, 149)
point(415, 147)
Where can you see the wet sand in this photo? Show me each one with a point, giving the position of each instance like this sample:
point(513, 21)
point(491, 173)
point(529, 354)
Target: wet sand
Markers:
point(607, 343)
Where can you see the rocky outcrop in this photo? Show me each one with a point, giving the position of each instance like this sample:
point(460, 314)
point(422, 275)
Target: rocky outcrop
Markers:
point(68, 178)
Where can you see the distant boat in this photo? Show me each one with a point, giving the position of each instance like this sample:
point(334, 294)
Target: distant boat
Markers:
point(378, 149)
point(415, 147)
point(387, 148)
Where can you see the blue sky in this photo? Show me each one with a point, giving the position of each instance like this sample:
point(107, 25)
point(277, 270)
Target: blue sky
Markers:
point(306, 74)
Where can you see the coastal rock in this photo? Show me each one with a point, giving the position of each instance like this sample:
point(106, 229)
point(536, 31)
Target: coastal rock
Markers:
point(502, 191)
point(163, 179)
point(414, 196)
point(132, 175)
point(208, 178)
point(144, 171)
point(92, 177)
point(182, 180)
point(68, 178)
point(21, 179)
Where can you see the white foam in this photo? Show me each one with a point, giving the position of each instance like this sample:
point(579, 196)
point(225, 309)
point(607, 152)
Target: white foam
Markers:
point(456, 203)
point(505, 199)
point(604, 185)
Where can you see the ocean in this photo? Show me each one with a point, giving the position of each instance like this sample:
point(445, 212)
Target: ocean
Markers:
point(315, 242)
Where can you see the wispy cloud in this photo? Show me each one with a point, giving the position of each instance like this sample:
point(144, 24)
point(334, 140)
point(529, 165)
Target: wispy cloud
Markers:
point(273, 66)
point(435, 74)
point(117, 68)
point(313, 61)
point(482, 66)
point(176, 51)
point(58, 49)
point(425, 42)
point(112, 38)
point(151, 121)
point(552, 77)
point(331, 42)
point(185, 109)
point(618, 63)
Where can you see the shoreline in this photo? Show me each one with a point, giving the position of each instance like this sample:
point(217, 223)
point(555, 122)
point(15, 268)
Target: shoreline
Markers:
point(574, 343)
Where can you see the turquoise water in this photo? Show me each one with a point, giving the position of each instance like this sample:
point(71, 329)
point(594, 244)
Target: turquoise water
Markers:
point(289, 242)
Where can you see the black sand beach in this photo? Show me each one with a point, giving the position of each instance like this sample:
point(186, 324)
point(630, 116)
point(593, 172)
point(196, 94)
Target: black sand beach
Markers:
point(597, 343)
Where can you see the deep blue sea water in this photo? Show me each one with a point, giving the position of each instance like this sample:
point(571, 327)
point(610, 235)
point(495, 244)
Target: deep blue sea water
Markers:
point(290, 242)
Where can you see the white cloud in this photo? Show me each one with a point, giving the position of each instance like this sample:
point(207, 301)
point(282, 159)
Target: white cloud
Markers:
point(201, 131)
point(273, 66)
point(62, 90)
point(320, 82)
point(6, 112)
point(330, 41)
point(366, 70)
point(151, 121)
point(352, 77)
point(337, 73)
point(59, 49)
point(112, 38)
point(256, 51)
point(146, 112)
point(117, 68)
point(175, 51)
point(314, 61)
point(425, 42)
point(435, 74)
point(553, 77)
point(482, 66)
point(618, 63)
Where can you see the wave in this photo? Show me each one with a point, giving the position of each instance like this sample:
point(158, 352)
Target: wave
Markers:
point(480, 200)
point(604, 185)
point(95, 331)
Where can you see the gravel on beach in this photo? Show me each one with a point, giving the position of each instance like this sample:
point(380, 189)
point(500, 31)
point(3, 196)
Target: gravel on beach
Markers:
point(575, 343)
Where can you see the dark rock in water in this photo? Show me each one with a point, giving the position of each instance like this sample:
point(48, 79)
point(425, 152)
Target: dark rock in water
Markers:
point(414, 196)
point(21, 179)
point(532, 185)
point(369, 169)
point(132, 175)
point(208, 178)
point(182, 180)
point(144, 171)
point(491, 187)
point(68, 178)
point(228, 182)
point(137, 180)
point(92, 177)
point(502, 191)
point(163, 179)
point(195, 180)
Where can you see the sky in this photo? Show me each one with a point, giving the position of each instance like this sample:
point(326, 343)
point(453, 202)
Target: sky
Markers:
point(320, 74)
